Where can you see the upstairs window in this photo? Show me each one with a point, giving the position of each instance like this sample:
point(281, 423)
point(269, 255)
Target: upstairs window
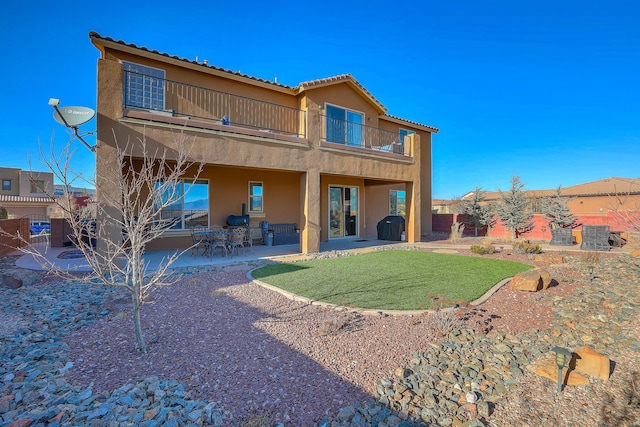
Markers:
point(255, 197)
point(37, 186)
point(6, 184)
point(344, 126)
point(397, 203)
point(143, 86)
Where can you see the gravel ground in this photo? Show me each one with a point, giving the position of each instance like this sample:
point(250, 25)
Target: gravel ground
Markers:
point(258, 354)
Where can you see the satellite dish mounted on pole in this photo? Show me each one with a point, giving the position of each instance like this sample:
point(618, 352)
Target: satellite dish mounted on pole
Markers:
point(72, 117)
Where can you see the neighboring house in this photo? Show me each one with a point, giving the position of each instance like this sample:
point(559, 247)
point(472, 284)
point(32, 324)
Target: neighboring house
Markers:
point(323, 154)
point(603, 202)
point(595, 198)
point(74, 191)
point(24, 193)
point(441, 206)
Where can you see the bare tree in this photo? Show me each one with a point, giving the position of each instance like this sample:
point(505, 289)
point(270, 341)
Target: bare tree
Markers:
point(513, 209)
point(127, 218)
point(626, 211)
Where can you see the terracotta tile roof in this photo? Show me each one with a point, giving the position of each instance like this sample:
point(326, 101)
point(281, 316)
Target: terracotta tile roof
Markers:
point(602, 187)
point(411, 122)
point(340, 79)
point(22, 199)
point(301, 86)
point(95, 35)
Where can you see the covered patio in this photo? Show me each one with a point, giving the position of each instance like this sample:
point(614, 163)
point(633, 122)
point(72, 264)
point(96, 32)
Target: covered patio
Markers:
point(65, 258)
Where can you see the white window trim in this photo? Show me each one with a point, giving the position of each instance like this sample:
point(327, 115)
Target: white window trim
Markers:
point(250, 211)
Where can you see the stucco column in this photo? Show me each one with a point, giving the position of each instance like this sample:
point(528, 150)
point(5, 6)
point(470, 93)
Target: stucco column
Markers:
point(413, 220)
point(310, 215)
point(110, 81)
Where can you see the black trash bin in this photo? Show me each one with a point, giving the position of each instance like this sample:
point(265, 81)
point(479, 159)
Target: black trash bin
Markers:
point(391, 228)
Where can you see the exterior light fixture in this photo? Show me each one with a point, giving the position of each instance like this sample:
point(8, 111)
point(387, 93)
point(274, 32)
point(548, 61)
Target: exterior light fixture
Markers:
point(562, 356)
point(591, 275)
point(501, 249)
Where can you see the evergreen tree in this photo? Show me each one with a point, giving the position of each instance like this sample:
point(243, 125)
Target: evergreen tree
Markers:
point(556, 210)
point(513, 209)
point(478, 215)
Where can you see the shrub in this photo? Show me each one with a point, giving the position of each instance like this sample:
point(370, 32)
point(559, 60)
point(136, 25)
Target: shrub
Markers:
point(443, 322)
point(3, 213)
point(457, 229)
point(526, 247)
point(483, 249)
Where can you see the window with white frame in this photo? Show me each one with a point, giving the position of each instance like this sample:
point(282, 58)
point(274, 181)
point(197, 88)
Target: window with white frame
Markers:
point(144, 86)
point(256, 197)
point(397, 203)
point(183, 206)
point(344, 126)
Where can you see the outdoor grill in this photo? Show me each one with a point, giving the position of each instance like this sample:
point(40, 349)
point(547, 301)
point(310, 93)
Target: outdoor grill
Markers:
point(391, 228)
point(239, 220)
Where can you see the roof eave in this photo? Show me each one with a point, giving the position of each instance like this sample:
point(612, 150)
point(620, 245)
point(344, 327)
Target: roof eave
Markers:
point(101, 44)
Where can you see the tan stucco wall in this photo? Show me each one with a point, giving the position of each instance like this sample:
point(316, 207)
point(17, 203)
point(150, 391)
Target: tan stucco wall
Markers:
point(13, 175)
point(603, 204)
point(25, 183)
point(377, 204)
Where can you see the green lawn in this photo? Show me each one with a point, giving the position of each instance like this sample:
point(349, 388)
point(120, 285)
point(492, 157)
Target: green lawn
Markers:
point(391, 280)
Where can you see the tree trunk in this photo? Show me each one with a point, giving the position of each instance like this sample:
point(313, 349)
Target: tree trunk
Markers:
point(137, 326)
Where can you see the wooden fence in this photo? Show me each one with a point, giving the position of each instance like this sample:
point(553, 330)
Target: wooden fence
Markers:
point(11, 227)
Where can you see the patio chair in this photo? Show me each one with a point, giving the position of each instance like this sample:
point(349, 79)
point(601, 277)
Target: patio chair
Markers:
point(248, 239)
point(218, 239)
point(595, 238)
point(200, 240)
point(561, 237)
point(236, 240)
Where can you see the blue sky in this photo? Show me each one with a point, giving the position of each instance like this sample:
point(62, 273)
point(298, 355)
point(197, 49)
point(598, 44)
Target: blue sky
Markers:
point(547, 90)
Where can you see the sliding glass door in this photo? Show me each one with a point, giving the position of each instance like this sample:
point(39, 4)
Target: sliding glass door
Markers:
point(343, 211)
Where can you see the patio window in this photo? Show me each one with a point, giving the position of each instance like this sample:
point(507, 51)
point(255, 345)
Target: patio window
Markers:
point(397, 203)
point(188, 204)
point(255, 197)
point(143, 86)
point(6, 184)
point(343, 126)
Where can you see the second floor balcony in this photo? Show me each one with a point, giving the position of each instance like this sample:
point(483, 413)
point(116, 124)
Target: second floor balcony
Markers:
point(151, 93)
point(163, 97)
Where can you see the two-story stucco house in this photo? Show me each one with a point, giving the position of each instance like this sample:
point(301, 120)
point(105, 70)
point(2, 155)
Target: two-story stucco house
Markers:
point(324, 154)
point(26, 193)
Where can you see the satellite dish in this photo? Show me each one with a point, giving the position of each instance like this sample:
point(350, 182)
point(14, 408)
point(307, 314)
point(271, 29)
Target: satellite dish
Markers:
point(73, 116)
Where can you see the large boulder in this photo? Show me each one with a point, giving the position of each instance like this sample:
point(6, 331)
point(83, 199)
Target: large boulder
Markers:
point(531, 280)
point(590, 362)
point(15, 278)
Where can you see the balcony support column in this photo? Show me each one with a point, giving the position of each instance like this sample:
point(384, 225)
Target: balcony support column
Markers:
point(413, 220)
point(310, 214)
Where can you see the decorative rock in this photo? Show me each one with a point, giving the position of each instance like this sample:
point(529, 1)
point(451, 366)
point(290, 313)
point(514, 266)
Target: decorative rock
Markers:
point(546, 278)
point(527, 281)
point(546, 367)
point(471, 397)
point(17, 277)
point(590, 362)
